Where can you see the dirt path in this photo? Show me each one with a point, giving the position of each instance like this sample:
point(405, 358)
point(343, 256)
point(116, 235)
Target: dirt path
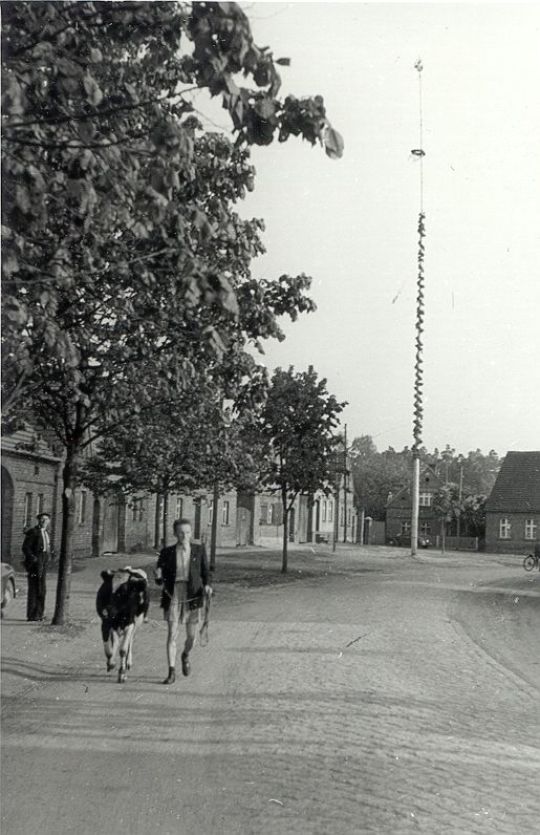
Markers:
point(368, 699)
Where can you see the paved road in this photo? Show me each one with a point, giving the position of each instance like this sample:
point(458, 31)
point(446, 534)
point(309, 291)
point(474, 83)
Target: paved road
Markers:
point(377, 694)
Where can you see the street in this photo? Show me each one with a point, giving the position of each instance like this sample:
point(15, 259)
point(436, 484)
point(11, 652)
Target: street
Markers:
point(369, 692)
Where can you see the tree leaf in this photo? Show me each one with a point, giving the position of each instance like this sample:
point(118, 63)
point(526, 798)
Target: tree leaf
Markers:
point(333, 143)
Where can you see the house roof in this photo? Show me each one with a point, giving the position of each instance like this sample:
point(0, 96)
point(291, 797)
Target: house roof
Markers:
point(517, 489)
point(26, 441)
point(429, 481)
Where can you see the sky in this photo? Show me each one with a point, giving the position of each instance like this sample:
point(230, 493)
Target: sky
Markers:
point(351, 224)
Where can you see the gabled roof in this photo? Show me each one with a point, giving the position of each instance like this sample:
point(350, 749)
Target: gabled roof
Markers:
point(517, 489)
point(429, 481)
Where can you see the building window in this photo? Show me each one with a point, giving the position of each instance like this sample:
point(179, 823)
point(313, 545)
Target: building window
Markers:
point(531, 529)
point(405, 527)
point(264, 514)
point(349, 515)
point(27, 514)
point(330, 510)
point(225, 513)
point(82, 507)
point(270, 515)
point(425, 528)
point(210, 511)
point(425, 499)
point(138, 510)
point(40, 503)
point(179, 508)
point(505, 528)
point(324, 508)
point(341, 515)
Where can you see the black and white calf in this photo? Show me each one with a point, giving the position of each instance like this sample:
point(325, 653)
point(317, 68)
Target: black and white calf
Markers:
point(122, 604)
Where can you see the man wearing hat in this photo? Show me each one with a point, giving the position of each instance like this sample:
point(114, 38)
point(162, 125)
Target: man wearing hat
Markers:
point(37, 551)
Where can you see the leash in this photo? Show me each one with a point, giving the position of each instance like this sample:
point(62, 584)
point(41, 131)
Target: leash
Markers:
point(203, 631)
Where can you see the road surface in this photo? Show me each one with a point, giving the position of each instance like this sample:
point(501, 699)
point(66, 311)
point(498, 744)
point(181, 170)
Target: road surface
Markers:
point(371, 694)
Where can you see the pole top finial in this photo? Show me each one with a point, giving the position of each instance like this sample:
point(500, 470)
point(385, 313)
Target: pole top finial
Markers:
point(419, 66)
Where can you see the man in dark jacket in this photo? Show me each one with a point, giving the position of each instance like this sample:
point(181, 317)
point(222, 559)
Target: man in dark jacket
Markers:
point(37, 552)
point(182, 570)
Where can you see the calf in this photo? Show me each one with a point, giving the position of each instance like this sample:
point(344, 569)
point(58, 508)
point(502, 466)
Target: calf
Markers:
point(122, 604)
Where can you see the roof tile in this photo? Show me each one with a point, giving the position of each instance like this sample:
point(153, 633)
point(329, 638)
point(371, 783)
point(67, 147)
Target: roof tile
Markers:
point(517, 489)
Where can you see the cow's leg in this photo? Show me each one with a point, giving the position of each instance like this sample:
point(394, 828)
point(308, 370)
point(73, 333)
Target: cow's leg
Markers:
point(107, 635)
point(113, 643)
point(124, 649)
point(138, 620)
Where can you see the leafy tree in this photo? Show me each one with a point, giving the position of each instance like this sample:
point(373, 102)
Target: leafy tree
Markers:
point(125, 269)
point(473, 515)
point(447, 507)
point(297, 424)
point(376, 475)
point(99, 135)
point(189, 444)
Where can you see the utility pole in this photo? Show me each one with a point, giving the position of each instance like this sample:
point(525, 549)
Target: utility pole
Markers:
point(345, 486)
point(336, 517)
point(459, 498)
point(418, 365)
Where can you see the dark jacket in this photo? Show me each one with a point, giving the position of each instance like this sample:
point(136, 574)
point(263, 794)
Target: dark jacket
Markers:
point(198, 575)
point(35, 557)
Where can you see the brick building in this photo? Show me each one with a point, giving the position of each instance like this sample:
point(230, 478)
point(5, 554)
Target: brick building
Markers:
point(513, 507)
point(116, 523)
point(399, 509)
point(30, 474)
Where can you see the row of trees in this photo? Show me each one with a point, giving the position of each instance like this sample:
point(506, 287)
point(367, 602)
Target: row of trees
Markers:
point(466, 480)
point(130, 311)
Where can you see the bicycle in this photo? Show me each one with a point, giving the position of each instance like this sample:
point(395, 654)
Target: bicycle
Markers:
point(531, 561)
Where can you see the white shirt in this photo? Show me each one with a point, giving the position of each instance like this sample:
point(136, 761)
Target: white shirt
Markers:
point(45, 537)
point(183, 553)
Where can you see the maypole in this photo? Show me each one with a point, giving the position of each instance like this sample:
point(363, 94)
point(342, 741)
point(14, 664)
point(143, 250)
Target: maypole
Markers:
point(419, 362)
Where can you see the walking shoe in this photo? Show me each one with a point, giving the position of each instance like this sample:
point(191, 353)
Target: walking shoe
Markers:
point(171, 678)
point(186, 666)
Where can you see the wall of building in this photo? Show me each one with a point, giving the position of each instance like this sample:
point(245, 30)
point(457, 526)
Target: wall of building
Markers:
point(29, 486)
point(115, 524)
point(226, 531)
point(397, 517)
point(516, 544)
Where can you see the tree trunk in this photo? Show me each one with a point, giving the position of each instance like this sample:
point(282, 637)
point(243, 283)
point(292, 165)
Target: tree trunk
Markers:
point(63, 586)
point(157, 523)
point(443, 536)
point(284, 560)
point(213, 540)
point(165, 517)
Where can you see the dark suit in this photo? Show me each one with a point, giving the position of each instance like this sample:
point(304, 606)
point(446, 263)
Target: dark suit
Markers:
point(36, 559)
point(198, 575)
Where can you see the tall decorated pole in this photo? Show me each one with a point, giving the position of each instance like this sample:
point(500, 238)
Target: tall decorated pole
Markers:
point(419, 362)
